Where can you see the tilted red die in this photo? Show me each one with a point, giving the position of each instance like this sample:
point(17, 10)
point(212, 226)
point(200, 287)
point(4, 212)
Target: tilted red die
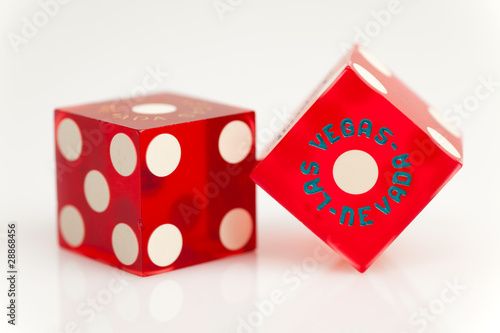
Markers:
point(156, 184)
point(361, 159)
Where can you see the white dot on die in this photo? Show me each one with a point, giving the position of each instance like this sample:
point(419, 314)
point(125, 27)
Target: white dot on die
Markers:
point(235, 141)
point(165, 245)
point(443, 142)
point(125, 244)
point(443, 122)
point(96, 191)
point(380, 66)
point(72, 226)
point(355, 172)
point(166, 301)
point(69, 139)
point(236, 229)
point(123, 154)
point(370, 78)
point(154, 108)
point(163, 155)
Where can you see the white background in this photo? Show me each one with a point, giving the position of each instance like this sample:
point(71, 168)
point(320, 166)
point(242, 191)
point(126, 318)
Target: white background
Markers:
point(265, 55)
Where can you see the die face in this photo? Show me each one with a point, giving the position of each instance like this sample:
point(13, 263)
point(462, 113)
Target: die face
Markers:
point(205, 208)
point(154, 111)
point(98, 190)
point(355, 169)
point(156, 199)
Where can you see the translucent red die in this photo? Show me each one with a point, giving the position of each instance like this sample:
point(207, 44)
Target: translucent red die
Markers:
point(157, 184)
point(361, 159)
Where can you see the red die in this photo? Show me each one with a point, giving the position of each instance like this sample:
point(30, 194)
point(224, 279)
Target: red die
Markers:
point(157, 185)
point(361, 160)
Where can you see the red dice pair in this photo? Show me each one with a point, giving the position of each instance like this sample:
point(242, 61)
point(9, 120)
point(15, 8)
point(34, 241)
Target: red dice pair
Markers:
point(164, 183)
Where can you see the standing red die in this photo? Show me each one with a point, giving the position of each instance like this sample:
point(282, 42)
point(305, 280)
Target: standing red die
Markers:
point(361, 160)
point(157, 185)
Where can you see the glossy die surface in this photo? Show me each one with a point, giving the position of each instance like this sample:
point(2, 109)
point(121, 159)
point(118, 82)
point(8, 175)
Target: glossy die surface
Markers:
point(157, 184)
point(361, 160)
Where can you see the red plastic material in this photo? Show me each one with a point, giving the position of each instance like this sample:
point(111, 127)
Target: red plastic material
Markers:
point(362, 159)
point(155, 184)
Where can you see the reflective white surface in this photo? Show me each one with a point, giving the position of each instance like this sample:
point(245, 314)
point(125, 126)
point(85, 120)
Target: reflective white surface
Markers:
point(268, 56)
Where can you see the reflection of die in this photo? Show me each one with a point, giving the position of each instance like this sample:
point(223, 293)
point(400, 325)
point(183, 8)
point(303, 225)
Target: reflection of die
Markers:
point(115, 301)
point(156, 185)
point(361, 160)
